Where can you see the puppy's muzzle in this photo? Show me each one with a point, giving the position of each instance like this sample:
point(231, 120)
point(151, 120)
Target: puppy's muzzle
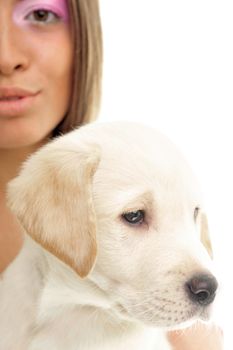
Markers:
point(202, 289)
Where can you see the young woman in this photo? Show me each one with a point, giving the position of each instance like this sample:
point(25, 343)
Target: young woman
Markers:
point(50, 72)
point(50, 75)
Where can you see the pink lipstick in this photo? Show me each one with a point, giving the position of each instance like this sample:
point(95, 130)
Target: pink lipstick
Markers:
point(15, 101)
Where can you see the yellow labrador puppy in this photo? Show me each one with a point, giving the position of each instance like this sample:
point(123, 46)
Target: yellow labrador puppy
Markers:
point(116, 258)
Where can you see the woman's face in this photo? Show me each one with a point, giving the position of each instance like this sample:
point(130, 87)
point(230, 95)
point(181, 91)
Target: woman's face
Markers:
point(36, 54)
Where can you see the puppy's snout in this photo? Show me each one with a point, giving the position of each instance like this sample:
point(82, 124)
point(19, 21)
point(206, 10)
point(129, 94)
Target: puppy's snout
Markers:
point(202, 289)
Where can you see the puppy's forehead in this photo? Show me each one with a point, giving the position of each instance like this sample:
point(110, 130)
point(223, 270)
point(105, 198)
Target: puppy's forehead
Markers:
point(134, 155)
point(130, 147)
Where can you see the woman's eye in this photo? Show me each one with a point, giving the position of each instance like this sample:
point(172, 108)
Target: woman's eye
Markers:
point(43, 16)
point(134, 217)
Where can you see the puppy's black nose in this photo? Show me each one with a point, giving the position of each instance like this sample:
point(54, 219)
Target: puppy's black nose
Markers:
point(202, 288)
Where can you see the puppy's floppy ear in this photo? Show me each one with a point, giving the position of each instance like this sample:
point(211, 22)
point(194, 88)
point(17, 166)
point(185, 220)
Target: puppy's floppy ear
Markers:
point(205, 238)
point(52, 198)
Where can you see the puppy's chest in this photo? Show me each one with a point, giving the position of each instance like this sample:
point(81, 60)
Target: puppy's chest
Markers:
point(84, 334)
point(71, 326)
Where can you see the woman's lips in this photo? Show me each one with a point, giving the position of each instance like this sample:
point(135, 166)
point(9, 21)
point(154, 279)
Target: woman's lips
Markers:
point(13, 104)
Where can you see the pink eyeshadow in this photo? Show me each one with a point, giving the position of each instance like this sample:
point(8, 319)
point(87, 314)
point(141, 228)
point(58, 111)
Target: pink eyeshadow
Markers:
point(22, 9)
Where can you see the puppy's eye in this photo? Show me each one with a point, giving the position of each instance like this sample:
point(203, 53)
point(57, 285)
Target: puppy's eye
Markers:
point(134, 217)
point(196, 212)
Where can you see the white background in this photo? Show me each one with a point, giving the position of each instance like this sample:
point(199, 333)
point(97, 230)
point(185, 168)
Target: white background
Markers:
point(169, 64)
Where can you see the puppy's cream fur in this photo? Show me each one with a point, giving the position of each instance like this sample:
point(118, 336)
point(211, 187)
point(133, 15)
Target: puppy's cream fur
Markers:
point(92, 281)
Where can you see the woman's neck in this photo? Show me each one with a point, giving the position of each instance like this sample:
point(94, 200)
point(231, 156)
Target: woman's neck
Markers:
point(11, 236)
point(11, 161)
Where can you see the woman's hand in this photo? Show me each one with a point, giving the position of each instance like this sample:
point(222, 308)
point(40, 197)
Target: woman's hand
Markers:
point(198, 337)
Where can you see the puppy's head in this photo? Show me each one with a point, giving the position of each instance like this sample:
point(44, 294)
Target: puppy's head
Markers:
point(126, 187)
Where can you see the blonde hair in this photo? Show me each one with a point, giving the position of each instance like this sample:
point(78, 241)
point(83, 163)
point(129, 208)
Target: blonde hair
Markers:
point(87, 66)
